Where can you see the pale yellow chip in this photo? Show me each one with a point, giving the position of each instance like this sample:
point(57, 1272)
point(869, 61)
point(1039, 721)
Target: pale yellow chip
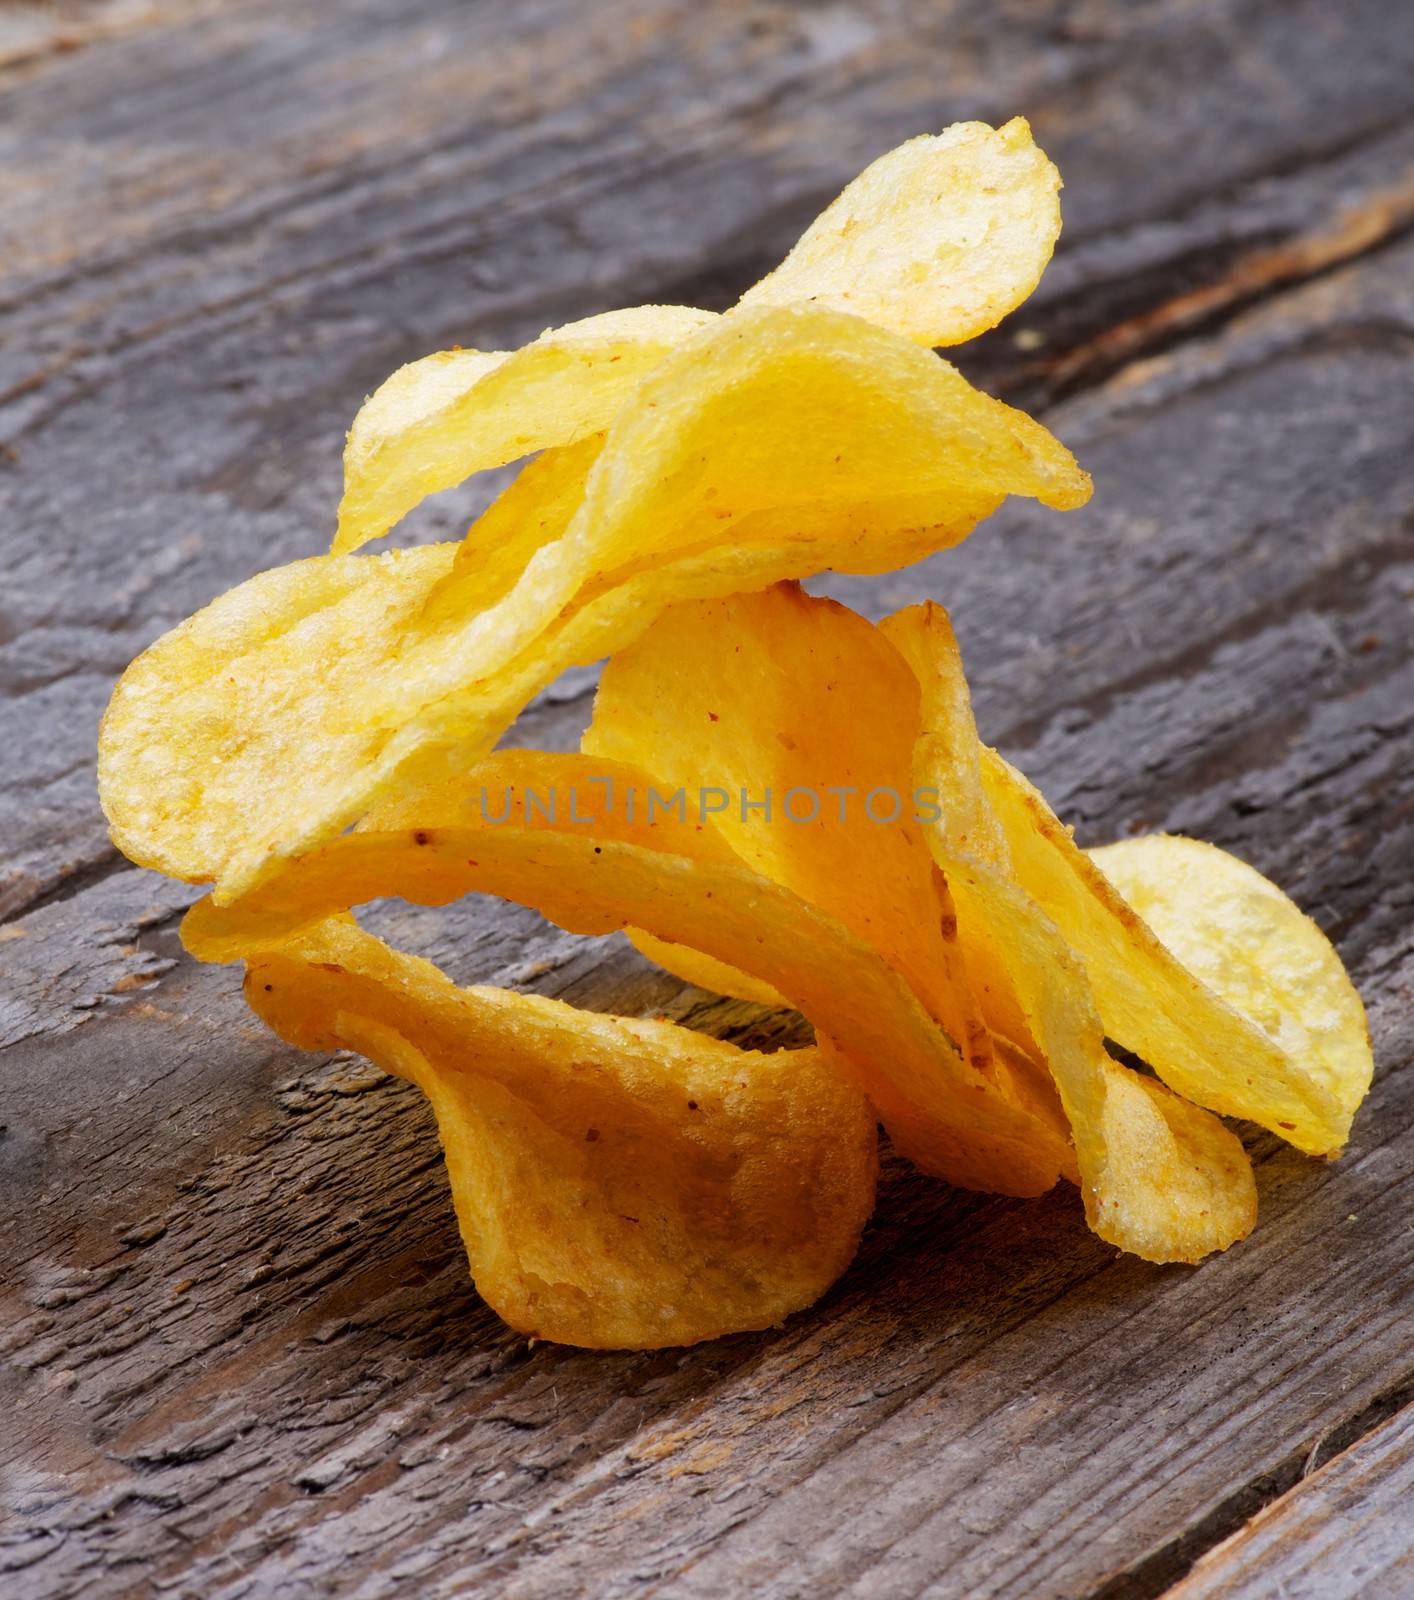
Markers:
point(1151, 1003)
point(205, 727)
point(437, 421)
point(944, 1114)
point(1254, 949)
point(1158, 1177)
point(619, 1184)
point(938, 240)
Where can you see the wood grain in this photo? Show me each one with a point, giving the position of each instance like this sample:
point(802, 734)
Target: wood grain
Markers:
point(241, 1354)
point(1344, 1533)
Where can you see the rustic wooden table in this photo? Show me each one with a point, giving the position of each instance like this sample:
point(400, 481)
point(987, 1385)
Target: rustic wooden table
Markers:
point(242, 1354)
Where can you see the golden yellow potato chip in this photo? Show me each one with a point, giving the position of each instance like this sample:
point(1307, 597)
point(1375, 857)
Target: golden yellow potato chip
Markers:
point(811, 420)
point(208, 727)
point(654, 526)
point(802, 708)
point(608, 873)
point(714, 976)
point(534, 510)
point(1253, 948)
point(205, 727)
point(938, 240)
point(1158, 1176)
point(619, 1184)
point(437, 421)
point(1151, 1003)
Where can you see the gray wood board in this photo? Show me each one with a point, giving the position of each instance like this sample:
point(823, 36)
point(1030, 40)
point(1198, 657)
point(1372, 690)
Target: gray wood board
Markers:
point(242, 1356)
point(1346, 1532)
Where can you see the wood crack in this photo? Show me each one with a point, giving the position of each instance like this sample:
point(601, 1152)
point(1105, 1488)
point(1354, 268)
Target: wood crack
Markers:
point(66, 884)
point(1149, 1578)
point(1257, 275)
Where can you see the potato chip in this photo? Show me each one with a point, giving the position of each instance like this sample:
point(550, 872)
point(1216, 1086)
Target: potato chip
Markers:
point(800, 416)
point(206, 727)
point(619, 1184)
point(777, 694)
point(604, 875)
point(534, 510)
point(938, 240)
point(1151, 1003)
point(437, 421)
point(1158, 1177)
point(695, 968)
point(200, 738)
point(209, 767)
point(1253, 948)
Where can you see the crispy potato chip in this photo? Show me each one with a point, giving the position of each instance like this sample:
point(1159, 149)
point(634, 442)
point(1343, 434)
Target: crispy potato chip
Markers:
point(199, 739)
point(1175, 1184)
point(1158, 1176)
point(806, 418)
point(1254, 949)
point(534, 510)
point(938, 240)
point(205, 771)
point(1151, 1003)
point(437, 421)
point(944, 1114)
point(714, 976)
point(206, 728)
point(619, 1184)
point(779, 694)
point(946, 749)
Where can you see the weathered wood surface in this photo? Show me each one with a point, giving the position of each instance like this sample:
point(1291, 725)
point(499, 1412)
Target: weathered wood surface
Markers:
point(241, 1354)
point(1345, 1533)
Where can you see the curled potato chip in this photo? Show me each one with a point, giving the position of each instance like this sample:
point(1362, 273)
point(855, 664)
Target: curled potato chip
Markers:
point(714, 976)
point(1151, 1003)
point(437, 421)
point(777, 694)
point(1158, 1177)
point(798, 416)
point(619, 1184)
point(534, 510)
point(778, 691)
point(607, 873)
point(1253, 948)
point(195, 780)
point(200, 736)
point(938, 240)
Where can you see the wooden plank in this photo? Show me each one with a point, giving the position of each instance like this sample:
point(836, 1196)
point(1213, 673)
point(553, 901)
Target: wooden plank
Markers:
point(1342, 1534)
point(241, 1354)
